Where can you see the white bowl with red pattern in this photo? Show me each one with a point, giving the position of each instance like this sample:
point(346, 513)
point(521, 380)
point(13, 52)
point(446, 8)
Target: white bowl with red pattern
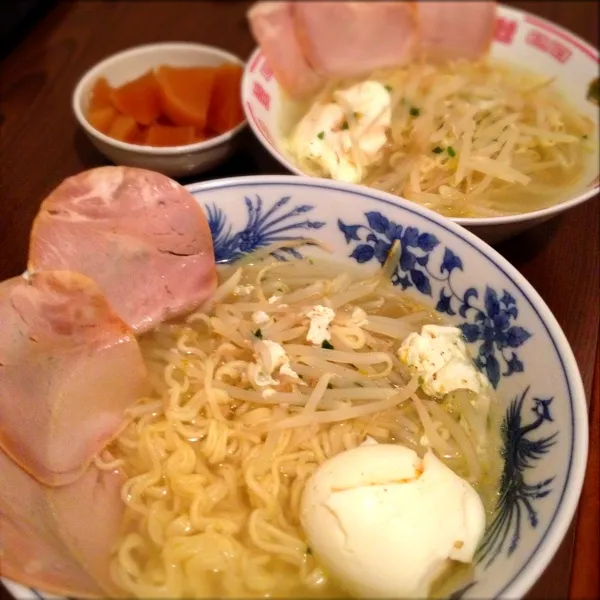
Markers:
point(175, 161)
point(520, 38)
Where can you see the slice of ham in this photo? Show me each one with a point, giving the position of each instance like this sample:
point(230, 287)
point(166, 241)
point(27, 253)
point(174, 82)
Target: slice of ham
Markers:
point(140, 235)
point(69, 368)
point(272, 25)
point(58, 540)
point(308, 43)
point(344, 39)
point(454, 30)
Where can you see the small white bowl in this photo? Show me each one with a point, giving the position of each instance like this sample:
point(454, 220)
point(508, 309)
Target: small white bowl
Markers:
point(174, 161)
point(521, 39)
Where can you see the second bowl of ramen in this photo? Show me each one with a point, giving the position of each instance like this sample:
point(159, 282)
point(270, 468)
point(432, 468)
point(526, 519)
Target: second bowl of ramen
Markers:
point(497, 145)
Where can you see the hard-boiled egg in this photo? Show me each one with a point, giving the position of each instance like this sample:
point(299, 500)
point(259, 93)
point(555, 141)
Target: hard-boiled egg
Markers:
point(385, 523)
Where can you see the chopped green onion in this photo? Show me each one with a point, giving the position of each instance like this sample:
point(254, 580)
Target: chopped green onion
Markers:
point(438, 150)
point(345, 126)
point(451, 151)
point(321, 135)
point(326, 345)
point(258, 334)
point(414, 112)
point(388, 87)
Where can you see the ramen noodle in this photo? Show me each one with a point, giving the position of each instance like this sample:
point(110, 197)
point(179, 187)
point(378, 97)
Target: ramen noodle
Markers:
point(217, 456)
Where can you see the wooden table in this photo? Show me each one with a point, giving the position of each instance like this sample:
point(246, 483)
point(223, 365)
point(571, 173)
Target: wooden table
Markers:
point(41, 144)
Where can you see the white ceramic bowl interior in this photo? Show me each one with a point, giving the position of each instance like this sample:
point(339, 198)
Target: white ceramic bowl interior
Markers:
point(521, 39)
point(127, 65)
point(545, 427)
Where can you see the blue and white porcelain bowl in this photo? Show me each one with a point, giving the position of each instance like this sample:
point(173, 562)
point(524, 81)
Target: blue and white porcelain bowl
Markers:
point(511, 331)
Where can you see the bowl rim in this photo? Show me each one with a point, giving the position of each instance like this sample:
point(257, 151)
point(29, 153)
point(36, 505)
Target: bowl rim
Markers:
point(472, 222)
point(94, 72)
point(529, 572)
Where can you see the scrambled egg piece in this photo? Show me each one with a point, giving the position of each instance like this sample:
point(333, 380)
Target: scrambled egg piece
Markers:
point(343, 147)
point(440, 358)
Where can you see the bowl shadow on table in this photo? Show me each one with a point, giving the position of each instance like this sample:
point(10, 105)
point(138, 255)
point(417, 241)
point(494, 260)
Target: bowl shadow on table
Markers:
point(524, 247)
point(249, 159)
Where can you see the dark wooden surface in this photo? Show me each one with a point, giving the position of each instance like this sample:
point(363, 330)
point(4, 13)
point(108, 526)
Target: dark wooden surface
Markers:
point(40, 144)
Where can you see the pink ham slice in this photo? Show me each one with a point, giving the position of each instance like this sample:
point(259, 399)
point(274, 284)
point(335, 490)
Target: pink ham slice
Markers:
point(272, 25)
point(345, 39)
point(58, 540)
point(314, 41)
point(69, 367)
point(453, 30)
point(140, 235)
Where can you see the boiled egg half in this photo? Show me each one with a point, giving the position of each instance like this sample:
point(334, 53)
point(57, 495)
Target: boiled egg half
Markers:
point(382, 522)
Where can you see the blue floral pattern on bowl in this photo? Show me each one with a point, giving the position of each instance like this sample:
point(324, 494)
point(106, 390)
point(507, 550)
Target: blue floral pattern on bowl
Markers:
point(489, 325)
point(517, 495)
point(264, 226)
point(520, 453)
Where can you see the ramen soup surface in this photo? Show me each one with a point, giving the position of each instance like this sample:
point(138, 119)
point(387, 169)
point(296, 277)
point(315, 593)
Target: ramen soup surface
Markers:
point(217, 457)
point(465, 139)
